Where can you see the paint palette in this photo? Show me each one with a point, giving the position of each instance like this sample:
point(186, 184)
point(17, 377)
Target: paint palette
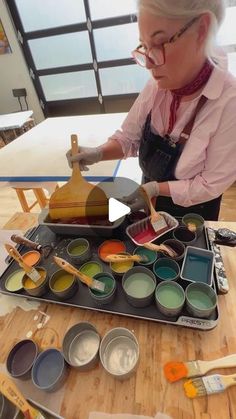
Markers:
point(119, 305)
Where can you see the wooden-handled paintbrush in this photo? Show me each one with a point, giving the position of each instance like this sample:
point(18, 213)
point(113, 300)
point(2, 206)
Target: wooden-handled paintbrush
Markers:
point(174, 371)
point(32, 273)
point(211, 384)
point(77, 198)
point(157, 220)
point(126, 258)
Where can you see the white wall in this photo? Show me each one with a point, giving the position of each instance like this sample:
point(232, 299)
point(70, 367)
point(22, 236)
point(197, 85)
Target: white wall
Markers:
point(14, 73)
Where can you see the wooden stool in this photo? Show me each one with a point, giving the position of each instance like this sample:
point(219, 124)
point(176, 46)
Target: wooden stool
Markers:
point(41, 198)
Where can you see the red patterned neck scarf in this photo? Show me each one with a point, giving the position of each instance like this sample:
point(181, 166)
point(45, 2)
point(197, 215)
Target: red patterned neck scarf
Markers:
point(189, 89)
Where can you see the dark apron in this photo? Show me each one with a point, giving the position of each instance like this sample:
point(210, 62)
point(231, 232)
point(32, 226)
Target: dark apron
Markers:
point(158, 157)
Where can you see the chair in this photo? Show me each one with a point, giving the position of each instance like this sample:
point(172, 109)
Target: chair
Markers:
point(40, 196)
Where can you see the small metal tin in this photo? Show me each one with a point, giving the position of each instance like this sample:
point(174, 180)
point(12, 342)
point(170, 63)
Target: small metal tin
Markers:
point(108, 247)
point(56, 285)
point(91, 268)
point(170, 298)
point(7, 409)
point(79, 251)
point(38, 290)
point(104, 297)
point(13, 282)
point(198, 265)
point(201, 299)
point(177, 246)
point(196, 220)
point(80, 346)
point(166, 269)
point(151, 255)
point(119, 268)
point(21, 359)
point(184, 235)
point(119, 353)
point(139, 284)
point(49, 370)
point(32, 257)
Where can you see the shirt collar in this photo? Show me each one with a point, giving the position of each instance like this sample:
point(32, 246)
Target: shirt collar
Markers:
point(215, 85)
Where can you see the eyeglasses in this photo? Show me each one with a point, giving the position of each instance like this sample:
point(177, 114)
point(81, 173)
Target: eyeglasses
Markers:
point(156, 55)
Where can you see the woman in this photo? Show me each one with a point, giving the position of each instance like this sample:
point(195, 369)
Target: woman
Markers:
point(182, 126)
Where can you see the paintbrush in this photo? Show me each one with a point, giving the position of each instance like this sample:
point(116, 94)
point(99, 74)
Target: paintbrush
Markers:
point(211, 384)
point(31, 272)
point(126, 258)
point(157, 220)
point(45, 249)
point(174, 371)
point(161, 248)
point(91, 282)
point(12, 393)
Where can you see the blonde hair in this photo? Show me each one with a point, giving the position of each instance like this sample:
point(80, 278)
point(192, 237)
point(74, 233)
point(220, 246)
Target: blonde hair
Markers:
point(180, 9)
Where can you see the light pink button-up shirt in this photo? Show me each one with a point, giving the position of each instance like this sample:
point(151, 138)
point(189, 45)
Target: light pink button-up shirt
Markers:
point(207, 165)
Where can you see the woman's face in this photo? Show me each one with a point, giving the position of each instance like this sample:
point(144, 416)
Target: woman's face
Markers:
point(183, 58)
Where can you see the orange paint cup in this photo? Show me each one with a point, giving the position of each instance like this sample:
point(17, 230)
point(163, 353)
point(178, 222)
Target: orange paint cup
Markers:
point(110, 247)
point(32, 257)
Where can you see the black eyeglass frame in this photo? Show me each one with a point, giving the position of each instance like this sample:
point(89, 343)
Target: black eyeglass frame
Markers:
point(161, 47)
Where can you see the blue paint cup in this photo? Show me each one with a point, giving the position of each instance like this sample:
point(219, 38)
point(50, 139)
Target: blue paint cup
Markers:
point(166, 269)
point(49, 370)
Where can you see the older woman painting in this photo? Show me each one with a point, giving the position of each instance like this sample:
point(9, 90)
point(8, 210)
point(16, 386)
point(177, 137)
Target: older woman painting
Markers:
point(182, 125)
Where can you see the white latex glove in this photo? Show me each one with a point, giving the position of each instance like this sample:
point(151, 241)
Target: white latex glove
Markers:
point(85, 157)
point(136, 200)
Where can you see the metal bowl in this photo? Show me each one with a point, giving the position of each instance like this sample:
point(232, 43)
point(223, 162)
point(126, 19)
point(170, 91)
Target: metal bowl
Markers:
point(49, 370)
point(119, 353)
point(139, 285)
point(40, 289)
point(21, 358)
point(67, 292)
point(170, 298)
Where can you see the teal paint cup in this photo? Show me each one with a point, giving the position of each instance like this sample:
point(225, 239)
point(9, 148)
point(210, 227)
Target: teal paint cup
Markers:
point(166, 269)
point(201, 299)
point(150, 255)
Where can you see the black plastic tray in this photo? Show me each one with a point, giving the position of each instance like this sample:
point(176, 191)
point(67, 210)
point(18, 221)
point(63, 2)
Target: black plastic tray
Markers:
point(119, 305)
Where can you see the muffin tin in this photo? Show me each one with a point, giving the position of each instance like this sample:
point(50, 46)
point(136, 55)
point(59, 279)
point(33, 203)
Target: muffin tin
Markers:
point(119, 304)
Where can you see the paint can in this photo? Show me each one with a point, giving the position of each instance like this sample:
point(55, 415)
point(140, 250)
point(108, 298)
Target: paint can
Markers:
point(119, 353)
point(184, 235)
point(201, 299)
point(194, 220)
point(139, 285)
point(21, 358)
point(80, 346)
point(170, 298)
point(63, 285)
point(101, 298)
point(177, 246)
point(91, 268)
point(119, 268)
point(166, 269)
point(49, 370)
point(13, 282)
point(110, 247)
point(150, 255)
point(39, 288)
point(32, 257)
point(79, 251)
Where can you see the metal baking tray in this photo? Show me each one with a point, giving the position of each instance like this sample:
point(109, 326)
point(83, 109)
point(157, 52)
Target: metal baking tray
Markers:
point(119, 305)
point(78, 229)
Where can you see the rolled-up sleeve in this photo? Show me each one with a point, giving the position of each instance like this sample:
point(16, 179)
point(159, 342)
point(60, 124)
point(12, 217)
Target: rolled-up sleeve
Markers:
point(129, 134)
point(219, 167)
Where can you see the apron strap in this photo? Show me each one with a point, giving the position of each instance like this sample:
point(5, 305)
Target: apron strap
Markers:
point(185, 134)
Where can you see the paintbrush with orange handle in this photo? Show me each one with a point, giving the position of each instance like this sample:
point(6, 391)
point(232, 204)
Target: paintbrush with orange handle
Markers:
point(174, 371)
point(211, 384)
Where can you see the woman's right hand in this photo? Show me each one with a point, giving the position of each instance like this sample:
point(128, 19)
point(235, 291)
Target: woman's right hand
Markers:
point(85, 157)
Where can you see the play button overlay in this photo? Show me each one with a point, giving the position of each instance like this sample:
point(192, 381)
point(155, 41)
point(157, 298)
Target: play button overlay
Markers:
point(117, 210)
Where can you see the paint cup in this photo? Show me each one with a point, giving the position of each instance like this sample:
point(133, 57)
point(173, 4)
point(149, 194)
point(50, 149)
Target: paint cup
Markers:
point(38, 288)
point(21, 358)
point(119, 268)
point(184, 235)
point(91, 268)
point(166, 269)
point(7, 409)
point(139, 284)
point(107, 296)
point(110, 247)
point(80, 346)
point(119, 353)
point(13, 282)
point(63, 284)
point(49, 370)
point(177, 246)
point(201, 299)
point(31, 258)
point(150, 255)
point(170, 298)
point(79, 251)
point(192, 220)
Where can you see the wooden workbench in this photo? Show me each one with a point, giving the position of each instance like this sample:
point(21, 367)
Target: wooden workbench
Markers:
point(147, 392)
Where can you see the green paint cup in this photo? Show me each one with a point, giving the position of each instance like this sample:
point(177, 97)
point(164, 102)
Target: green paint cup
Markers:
point(139, 284)
point(201, 299)
point(79, 251)
point(91, 268)
point(170, 298)
point(150, 255)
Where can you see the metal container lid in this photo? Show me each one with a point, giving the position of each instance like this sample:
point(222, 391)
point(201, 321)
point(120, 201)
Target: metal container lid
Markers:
point(83, 348)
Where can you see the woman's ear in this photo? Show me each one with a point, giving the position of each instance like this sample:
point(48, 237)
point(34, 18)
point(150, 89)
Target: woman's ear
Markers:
point(203, 28)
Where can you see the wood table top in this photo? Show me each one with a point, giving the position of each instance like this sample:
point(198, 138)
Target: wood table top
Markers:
point(147, 391)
